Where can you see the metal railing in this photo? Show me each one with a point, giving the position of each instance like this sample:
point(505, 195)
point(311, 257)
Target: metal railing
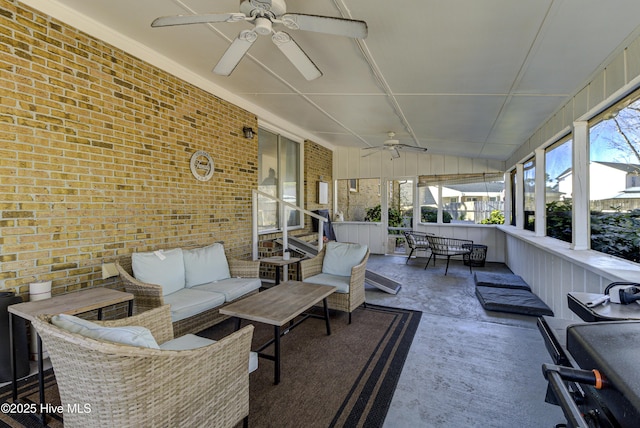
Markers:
point(284, 208)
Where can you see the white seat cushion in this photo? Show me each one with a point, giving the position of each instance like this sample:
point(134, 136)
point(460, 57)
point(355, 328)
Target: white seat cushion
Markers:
point(206, 264)
point(340, 282)
point(165, 268)
point(340, 257)
point(232, 288)
point(126, 335)
point(189, 302)
point(191, 341)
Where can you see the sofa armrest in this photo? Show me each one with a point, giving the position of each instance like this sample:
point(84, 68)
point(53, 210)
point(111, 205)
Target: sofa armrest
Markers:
point(244, 268)
point(157, 320)
point(358, 272)
point(146, 296)
point(312, 266)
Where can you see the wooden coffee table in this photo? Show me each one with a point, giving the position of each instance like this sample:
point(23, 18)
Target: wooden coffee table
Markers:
point(278, 306)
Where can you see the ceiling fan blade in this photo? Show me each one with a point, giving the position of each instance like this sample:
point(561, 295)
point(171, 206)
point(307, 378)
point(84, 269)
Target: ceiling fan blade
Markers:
point(325, 24)
point(167, 21)
point(235, 52)
point(410, 148)
point(296, 55)
point(371, 152)
point(395, 154)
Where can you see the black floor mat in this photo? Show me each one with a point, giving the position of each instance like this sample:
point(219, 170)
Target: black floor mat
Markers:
point(512, 300)
point(501, 280)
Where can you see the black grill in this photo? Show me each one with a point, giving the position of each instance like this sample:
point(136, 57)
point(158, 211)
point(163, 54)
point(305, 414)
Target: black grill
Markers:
point(584, 353)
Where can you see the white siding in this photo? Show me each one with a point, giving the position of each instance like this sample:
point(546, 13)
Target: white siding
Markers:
point(552, 269)
point(349, 163)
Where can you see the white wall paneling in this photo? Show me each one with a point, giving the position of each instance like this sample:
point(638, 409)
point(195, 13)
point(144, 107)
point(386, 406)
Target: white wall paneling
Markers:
point(370, 234)
point(349, 163)
point(553, 270)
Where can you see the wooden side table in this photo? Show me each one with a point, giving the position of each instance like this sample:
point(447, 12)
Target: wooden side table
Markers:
point(280, 263)
point(71, 304)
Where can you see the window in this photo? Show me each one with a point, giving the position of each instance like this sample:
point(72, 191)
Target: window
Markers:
point(558, 189)
point(468, 198)
point(614, 168)
point(428, 198)
point(279, 169)
point(529, 187)
point(356, 204)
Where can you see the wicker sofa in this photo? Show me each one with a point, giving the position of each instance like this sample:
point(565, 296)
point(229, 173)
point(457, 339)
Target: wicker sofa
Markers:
point(186, 384)
point(195, 282)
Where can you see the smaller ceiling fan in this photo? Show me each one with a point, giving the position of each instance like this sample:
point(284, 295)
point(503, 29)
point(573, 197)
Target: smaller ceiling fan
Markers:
point(264, 14)
point(393, 147)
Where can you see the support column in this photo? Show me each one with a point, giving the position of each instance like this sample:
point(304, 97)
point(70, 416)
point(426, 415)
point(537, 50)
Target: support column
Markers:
point(507, 198)
point(519, 196)
point(540, 194)
point(581, 225)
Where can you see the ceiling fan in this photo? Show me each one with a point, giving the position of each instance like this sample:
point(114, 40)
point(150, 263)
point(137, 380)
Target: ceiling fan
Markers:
point(393, 147)
point(263, 14)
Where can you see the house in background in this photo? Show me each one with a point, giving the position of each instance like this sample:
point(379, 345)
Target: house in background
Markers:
point(606, 194)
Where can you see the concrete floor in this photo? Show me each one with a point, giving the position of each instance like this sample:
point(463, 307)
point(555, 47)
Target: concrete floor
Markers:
point(467, 367)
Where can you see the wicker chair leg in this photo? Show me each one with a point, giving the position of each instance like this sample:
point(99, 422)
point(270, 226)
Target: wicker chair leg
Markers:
point(245, 422)
point(445, 271)
point(409, 258)
point(349, 317)
point(434, 261)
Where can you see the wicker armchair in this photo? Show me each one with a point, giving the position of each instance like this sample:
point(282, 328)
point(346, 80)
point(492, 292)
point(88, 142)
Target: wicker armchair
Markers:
point(346, 302)
point(149, 296)
point(448, 247)
point(128, 386)
point(417, 241)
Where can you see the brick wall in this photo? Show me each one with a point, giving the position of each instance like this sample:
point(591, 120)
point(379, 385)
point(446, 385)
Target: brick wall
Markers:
point(318, 162)
point(94, 157)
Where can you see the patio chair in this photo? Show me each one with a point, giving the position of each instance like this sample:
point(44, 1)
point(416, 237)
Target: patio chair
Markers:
point(448, 247)
point(342, 265)
point(160, 385)
point(417, 241)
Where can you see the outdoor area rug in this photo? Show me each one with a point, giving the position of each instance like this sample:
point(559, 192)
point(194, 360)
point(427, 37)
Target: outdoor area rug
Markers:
point(343, 380)
point(28, 394)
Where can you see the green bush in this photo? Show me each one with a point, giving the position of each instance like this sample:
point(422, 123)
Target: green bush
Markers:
point(430, 215)
point(614, 233)
point(559, 220)
point(375, 215)
point(496, 217)
point(617, 234)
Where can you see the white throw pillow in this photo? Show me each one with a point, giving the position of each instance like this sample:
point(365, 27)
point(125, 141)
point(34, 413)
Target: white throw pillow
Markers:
point(340, 257)
point(206, 264)
point(165, 268)
point(126, 335)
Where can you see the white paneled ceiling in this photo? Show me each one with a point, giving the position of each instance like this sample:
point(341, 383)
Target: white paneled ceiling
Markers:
point(461, 77)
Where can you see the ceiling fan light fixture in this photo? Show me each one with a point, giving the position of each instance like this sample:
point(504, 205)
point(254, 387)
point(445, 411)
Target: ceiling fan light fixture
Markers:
point(263, 26)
